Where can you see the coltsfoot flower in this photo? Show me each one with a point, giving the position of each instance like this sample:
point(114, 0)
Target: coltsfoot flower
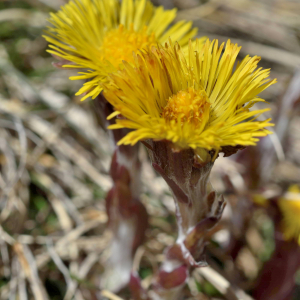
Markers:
point(289, 206)
point(96, 35)
point(199, 102)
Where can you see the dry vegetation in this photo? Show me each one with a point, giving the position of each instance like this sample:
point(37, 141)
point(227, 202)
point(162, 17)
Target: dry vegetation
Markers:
point(55, 156)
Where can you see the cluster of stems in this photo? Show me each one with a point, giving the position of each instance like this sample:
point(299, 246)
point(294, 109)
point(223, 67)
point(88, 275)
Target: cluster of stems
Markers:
point(198, 209)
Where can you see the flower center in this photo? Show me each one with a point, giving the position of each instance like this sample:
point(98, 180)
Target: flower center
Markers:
point(190, 106)
point(118, 44)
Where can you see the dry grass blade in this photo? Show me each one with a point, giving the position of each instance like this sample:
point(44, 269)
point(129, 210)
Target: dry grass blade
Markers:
point(5, 258)
point(29, 267)
point(17, 14)
point(22, 292)
point(288, 103)
point(110, 295)
point(222, 285)
point(42, 128)
point(73, 235)
point(71, 284)
point(269, 53)
point(65, 205)
point(82, 273)
point(14, 282)
point(17, 173)
point(284, 117)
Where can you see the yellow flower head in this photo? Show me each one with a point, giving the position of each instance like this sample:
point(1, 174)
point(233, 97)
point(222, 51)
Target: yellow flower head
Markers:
point(290, 208)
point(96, 35)
point(198, 102)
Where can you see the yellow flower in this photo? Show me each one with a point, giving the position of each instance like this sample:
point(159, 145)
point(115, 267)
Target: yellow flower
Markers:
point(96, 35)
point(198, 102)
point(290, 208)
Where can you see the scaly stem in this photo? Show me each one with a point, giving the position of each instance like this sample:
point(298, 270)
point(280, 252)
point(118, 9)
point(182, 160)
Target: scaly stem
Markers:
point(128, 218)
point(198, 209)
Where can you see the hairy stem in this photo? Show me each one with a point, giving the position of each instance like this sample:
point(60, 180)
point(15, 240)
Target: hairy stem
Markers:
point(198, 209)
point(128, 219)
